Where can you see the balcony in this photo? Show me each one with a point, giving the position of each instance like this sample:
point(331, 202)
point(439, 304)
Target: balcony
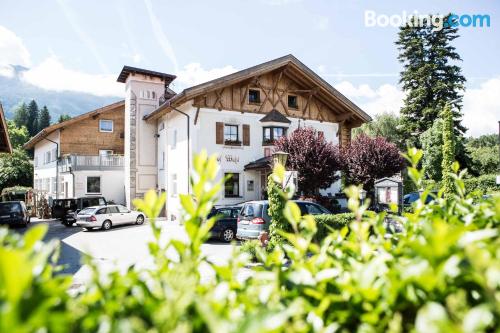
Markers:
point(90, 162)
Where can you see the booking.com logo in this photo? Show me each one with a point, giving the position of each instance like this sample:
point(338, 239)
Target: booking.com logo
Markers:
point(438, 22)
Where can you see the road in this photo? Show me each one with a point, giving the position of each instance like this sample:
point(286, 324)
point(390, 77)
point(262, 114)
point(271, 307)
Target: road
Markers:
point(119, 247)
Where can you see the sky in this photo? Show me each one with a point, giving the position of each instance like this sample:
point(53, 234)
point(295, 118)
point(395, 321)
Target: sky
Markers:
point(82, 45)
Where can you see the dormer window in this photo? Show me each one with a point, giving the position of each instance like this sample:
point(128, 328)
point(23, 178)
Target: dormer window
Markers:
point(272, 133)
point(293, 102)
point(254, 96)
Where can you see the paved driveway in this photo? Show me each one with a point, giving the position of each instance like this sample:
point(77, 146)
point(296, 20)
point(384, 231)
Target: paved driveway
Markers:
point(118, 247)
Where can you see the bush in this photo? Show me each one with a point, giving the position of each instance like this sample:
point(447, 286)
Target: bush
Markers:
point(325, 223)
point(480, 185)
point(441, 274)
point(250, 247)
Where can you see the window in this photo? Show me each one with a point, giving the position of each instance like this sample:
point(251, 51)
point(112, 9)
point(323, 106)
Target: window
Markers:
point(112, 209)
point(53, 154)
point(230, 133)
point(273, 133)
point(174, 139)
point(54, 184)
point(254, 96)
point(174, 184)
point(123, 209)
point(293, 102)
point(106, 126)
point(250, 185)
point(232, 185)
point(36, 161)
point(46, 184)
point(161, 127)
point(147, 94)
point(47, 157)
point(93, 184)
point(101, 211)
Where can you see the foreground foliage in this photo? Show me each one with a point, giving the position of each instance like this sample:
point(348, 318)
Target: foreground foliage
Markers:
point(442, 273)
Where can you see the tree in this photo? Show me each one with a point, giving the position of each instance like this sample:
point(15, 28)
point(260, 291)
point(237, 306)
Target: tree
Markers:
point(276, 206)
point(448, 152)
point(63, 117)
point(387, 125)
point(484, 154)
point(21, 115)
point(32, 123)
point(432, 143)
point(15, 169)
point(366, 159)
point(315, 159)
point(43, 119)
point(18, 135)
point(430, 78)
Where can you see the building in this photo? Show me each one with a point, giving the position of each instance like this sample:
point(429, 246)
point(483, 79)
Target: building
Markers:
point(82, 156)
point(236, 117)
point(5, 146)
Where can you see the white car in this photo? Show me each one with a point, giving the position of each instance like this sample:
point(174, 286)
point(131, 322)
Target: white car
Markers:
point(104, 217)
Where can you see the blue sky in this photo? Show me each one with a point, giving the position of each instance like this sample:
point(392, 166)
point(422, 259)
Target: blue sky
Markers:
point(82, 45)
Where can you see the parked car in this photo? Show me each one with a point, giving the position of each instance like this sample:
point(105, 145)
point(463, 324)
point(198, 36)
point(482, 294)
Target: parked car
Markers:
point(254, 218)
point(411, 197)
point(106, 216)
point(14, 213)
point(67, 209)
point(225, 227)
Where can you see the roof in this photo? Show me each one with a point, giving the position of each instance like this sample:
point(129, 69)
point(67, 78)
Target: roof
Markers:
point(52, 128)
point(5, 146)
point(288, 61)
point(275, 116)
point(127, 70)
point(261, 163)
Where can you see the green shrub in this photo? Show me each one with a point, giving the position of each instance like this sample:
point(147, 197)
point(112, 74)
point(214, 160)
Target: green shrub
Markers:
point(441, 274)
point(250, 247)
point(325, 223)
point(481, 185)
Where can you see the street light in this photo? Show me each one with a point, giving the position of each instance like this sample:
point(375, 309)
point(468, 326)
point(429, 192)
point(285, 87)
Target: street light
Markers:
point(362, 196)
point(280, 157)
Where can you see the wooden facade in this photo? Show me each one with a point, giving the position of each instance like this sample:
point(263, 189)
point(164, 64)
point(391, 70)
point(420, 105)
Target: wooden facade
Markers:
point(84, 137)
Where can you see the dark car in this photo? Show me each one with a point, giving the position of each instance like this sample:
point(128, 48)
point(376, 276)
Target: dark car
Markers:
point(254, 219)
point(14, 213)
point(411, 197)
point(67, 209)
point(225, 227)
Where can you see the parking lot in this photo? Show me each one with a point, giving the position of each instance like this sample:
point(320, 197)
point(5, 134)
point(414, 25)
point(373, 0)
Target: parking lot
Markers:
point(118, 247)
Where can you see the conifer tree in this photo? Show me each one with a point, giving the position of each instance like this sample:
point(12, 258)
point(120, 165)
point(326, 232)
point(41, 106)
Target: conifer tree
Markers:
point(448, 151)
point(21, 115)
point(32, 122)
point(43, 119)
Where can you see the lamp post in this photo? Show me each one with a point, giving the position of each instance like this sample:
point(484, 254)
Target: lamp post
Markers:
point(362, 196)
point(280, 157)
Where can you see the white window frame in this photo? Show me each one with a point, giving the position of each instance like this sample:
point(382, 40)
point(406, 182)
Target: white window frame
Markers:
point(107, 152)
point(106, 131)
point(87, 185)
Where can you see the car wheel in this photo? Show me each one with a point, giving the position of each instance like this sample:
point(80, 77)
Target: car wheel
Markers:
point(228, 235)
point(106, 225)
point(86, 229)
point(68, 224)
point(139, 220)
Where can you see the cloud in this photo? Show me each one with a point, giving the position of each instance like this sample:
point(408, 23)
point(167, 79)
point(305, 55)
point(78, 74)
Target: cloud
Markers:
point(482, 108)
point(321, 23)
point(279, 2)
point(12, 52)
point(52, 75)
point(193, 74)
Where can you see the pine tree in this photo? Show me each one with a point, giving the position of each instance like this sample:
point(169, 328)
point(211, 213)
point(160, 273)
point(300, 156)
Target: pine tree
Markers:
point(43, 119)
point(32, 123)
point(430, 78)
point(63, 117)
point(448, 151)
point(21, 115)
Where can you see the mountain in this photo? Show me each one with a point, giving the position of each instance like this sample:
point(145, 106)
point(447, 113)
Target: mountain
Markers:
point(14, 91)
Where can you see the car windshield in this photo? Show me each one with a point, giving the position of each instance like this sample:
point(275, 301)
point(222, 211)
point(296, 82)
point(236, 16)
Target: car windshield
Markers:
point(87, 211)
point(10, 207)
point(252, 209)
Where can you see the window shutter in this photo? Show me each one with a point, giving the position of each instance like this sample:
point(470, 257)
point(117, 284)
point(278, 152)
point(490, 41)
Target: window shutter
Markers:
point(246, 135)
point(219, 133)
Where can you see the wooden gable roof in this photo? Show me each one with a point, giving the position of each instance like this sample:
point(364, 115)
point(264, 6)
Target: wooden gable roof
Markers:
point(5, 146)
point(307, 84)
point(48, 130)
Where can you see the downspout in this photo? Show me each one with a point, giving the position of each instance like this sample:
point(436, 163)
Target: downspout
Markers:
point(57, 167)
point(188, 145)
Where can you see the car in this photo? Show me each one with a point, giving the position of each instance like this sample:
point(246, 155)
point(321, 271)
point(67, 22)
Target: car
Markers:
point(107, 216)
point(254, 219)
point(14, 213)
point(411, 197)
point(67, 209)
point(225, 227)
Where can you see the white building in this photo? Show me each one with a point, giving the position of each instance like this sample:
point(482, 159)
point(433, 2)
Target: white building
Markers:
point(236, 117)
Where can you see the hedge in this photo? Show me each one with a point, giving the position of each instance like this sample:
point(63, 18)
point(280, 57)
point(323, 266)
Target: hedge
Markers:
point(325, 222)
point(482, 184)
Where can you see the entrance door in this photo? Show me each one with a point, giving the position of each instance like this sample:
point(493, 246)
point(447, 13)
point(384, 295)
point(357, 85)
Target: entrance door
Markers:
point(264, 175)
